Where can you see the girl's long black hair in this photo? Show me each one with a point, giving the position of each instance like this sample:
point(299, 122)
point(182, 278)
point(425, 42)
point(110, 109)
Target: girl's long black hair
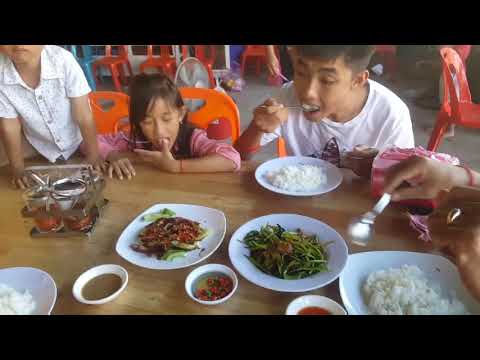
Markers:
point(144, 90)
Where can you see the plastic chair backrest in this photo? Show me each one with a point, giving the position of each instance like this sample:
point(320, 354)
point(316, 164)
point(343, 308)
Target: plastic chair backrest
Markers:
point(164, 51)
point(217, 106)
point(258, 50)
point(122, 53)
point(106, 120)
point(201, 53)
point(456, 89)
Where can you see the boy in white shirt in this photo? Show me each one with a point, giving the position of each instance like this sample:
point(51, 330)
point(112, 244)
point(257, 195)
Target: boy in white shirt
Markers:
point(44, 93)
point(331, 107)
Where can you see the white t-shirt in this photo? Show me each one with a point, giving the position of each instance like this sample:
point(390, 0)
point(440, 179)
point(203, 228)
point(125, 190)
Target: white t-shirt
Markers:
point(45, 112)
point(383, 121)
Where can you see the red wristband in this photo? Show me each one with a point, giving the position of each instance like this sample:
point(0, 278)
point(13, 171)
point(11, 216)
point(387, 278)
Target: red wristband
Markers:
point(471, 178)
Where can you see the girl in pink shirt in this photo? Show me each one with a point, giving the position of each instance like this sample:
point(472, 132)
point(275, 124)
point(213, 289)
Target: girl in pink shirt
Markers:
point(161, 136)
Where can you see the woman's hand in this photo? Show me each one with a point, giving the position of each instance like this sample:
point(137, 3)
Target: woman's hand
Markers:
point(162, 160)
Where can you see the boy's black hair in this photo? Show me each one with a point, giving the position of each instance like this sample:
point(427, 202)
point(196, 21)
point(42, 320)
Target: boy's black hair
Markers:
point(145, 88)
point(357, 57)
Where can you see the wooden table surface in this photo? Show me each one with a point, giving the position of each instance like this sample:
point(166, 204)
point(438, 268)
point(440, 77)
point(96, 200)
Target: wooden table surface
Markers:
point(162, 292)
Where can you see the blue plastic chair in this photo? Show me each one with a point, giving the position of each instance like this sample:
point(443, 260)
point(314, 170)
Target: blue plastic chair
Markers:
point(85, 62)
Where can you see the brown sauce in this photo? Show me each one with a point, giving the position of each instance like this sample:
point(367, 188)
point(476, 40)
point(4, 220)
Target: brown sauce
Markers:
point(101, 287)
point(314, 310)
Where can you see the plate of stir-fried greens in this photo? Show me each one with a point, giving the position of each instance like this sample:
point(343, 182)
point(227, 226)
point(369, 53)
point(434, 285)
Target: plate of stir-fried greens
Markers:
point(288, 252)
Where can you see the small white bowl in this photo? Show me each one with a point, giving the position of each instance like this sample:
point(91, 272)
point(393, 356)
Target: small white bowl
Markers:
point(315, 300)
point(37, 282)
point(93, 273)
point(207, 269)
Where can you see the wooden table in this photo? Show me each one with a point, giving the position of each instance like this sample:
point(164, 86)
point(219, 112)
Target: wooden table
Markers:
point(162, 292)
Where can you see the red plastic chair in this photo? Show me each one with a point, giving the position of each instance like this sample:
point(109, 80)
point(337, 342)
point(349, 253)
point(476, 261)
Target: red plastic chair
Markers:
point(257, 53)
point(164, 62)
point(389, 55)
point(218, 106)
point(115, 65)
point(457, 107)
point(107, 120)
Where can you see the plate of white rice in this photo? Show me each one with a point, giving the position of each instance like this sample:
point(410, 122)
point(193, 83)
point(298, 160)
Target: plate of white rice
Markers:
point(26, 291)
point(298, 176)
point(404, 283)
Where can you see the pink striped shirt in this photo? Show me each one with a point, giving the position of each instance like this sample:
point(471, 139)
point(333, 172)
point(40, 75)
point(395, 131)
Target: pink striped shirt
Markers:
point(200, 145)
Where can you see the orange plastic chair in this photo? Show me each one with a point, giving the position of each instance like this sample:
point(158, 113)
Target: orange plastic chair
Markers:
point(457, 107)
point(257, 53)
point(281, 147)
point(165, 62)
point(107, 121)
point(115, 65)
point(218, 106)
point(207, 61)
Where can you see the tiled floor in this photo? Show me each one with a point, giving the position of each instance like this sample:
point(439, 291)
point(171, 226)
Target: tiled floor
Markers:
point(465, 144)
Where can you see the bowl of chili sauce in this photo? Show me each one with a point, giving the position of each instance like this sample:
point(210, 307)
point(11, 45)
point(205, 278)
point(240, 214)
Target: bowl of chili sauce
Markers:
point(211, 284)
point(314, 305)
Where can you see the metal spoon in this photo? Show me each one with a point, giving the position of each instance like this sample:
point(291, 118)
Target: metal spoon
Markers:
point(305, 109)
point(360, 231)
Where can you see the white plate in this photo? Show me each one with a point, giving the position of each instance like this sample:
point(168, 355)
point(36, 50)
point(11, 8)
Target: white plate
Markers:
point(334, 175)
point(438, 270)
point(211, 219)
point(38, 283)
point(337, 251)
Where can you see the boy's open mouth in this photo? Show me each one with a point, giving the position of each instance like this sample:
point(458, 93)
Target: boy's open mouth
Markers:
point(310, 108)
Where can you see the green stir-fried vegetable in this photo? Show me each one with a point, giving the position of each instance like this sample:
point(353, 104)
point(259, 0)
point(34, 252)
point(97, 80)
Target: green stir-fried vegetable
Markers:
point(286, 254)
point(165, 213)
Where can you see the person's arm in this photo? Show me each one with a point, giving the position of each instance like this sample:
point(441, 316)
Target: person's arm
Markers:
point(11, 135)
point(435, 177)
point(266, 120)
point(201, 146)
point(467, 255)
point(165, 161)
point(273, 63)
point(83, 116)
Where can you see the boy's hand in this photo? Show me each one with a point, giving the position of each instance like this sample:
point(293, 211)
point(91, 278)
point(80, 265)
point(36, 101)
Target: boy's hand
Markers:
point(163, 159)
point(272, 61)
point(269, 116)
point(360, 160)
point(121, 165)
point(19, 178)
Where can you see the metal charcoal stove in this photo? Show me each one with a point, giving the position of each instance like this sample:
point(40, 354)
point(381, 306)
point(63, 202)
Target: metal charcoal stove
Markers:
point(64, 200)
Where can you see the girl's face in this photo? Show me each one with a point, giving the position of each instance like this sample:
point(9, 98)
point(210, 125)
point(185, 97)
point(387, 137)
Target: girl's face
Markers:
point(161, 123)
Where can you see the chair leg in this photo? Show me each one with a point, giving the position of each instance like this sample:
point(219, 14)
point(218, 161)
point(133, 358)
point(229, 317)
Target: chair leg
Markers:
point(115, 78)
point(130, 71)
point(121, 72)
point(242, 66)
point(437, 134)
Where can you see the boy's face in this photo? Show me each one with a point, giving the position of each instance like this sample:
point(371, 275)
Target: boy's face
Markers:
point(21, 54)
point(327, 85)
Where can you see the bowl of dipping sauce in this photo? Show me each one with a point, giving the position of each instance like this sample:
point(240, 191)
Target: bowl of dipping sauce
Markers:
point(100, 284)
point(314, 305)
point(211, 284)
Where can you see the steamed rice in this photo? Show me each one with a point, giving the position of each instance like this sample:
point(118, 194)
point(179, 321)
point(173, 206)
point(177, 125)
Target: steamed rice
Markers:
point(406, 291)
point(13, 302)
point(300, 178)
